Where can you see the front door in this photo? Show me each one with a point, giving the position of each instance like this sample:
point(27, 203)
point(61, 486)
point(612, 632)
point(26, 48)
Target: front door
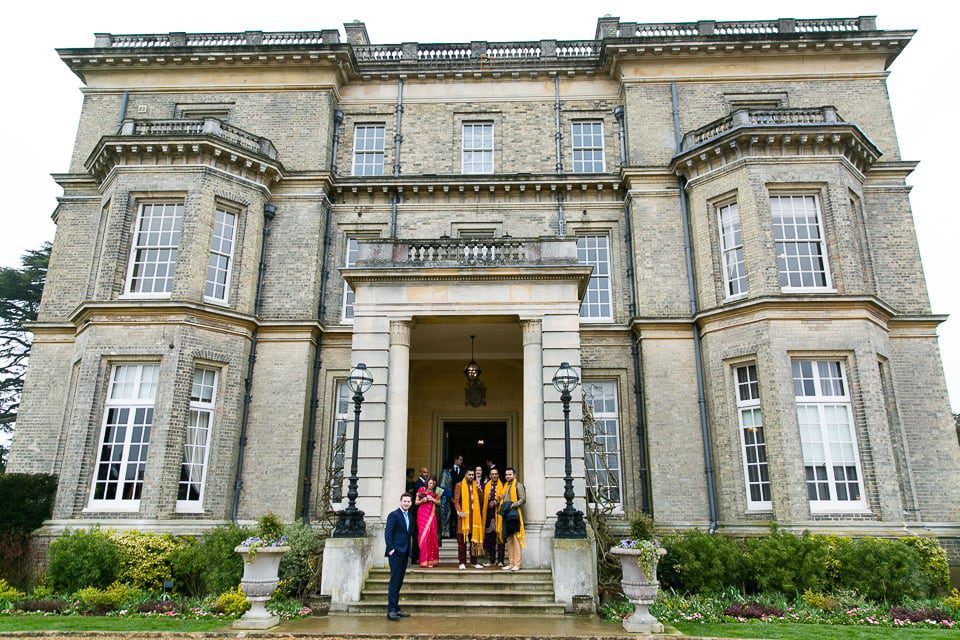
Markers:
point(477, 441)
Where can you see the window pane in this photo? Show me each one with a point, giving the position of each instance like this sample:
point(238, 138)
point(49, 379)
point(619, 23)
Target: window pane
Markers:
point(799, 245)
point(594, 251)
point(154, 253)
point(602, 454)
point(368, 150)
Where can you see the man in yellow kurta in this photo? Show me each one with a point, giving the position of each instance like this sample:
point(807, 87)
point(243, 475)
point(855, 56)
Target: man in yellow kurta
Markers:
point(512, 526)
point(466, 500)
point(492, 522)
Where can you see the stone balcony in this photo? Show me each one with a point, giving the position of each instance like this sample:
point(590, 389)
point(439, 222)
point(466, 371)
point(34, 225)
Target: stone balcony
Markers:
point(441, 261)
point(810, 131)
point(467, 252)
point(206, 141)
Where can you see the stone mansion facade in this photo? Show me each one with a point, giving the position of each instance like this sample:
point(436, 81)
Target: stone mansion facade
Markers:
point(710, 221)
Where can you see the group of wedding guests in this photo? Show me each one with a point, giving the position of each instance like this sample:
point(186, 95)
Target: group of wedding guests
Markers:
point(477, 506)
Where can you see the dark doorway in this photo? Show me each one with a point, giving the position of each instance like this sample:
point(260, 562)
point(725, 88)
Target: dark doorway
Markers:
point(477, 441)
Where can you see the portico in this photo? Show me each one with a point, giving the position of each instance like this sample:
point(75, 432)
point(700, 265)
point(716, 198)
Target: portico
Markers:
point(416, 305)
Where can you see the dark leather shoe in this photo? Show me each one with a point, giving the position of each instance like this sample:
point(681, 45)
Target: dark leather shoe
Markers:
point(393, 616)
point(403, 614)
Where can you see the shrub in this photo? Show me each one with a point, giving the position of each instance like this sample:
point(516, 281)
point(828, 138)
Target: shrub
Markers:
point(26, 500)
point(223, 566)
point(46, 605)
point(82, 558)
point(41, 592)
point(752, 610)
point(933, 562)
point(641, 527)
point(300, 566)
point(99, 601)
point(188, 568)
point(786, 563)
point(953, 600)
point(820, 601)
point(699, 562)
point(269, 528)
point(145, 558)
point(882, 570)
point(8, 593)
point(232, 603)
point(919, 615)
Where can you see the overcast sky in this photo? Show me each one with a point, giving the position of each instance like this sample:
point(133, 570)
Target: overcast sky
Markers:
point(41, 105)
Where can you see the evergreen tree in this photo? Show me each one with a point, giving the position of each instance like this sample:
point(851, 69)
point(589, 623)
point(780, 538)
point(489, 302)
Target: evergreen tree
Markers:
point(20, 290)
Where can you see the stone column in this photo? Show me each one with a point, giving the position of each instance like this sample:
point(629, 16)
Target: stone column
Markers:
point(398, 403)
point(533, 452)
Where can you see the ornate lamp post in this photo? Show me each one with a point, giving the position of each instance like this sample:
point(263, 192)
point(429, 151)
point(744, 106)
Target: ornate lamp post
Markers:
point(350, 522)
point(569, 521)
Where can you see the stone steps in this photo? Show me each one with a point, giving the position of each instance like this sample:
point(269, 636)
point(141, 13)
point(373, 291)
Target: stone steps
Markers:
point(447, 590)
point(466, 607)
point(429, 594)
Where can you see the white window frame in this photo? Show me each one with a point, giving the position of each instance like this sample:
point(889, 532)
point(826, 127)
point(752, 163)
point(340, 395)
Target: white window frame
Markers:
point(597, 280)
point(342, 419)
point(464, 150)
point(376, 153)
point(216, 251)
point(732, 255)
point(827, 287)
point(132, 404)
point(574, 148)
point(609, 394)
point(350, 253)
point(747, 395)
point(135, 248)
point(821, 402)
point(198, 407)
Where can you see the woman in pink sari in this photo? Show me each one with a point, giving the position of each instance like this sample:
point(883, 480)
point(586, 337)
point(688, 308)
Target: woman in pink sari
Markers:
point(428, 501)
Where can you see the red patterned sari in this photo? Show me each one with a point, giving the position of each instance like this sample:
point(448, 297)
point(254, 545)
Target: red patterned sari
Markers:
point(427, 531)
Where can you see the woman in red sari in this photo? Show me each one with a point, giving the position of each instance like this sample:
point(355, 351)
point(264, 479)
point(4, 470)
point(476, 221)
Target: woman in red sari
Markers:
point(428, 501)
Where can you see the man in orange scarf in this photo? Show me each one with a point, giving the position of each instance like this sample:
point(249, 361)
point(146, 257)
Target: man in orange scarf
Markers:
point(466, 500)
point(492, 522)
point(513, 533)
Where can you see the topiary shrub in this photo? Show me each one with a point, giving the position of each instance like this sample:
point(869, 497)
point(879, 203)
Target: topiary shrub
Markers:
point(881, 569)
point(698, 562)
point(145, 558)
point(82, 558)
point(301, 565)
point(786, 563)
point(933, 562)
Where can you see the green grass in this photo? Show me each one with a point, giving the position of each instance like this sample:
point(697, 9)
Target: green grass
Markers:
point(103, 623)
point(774, 631)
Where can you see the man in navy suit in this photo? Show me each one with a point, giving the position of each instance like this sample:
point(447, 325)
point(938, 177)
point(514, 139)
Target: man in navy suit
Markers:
point(397, 534)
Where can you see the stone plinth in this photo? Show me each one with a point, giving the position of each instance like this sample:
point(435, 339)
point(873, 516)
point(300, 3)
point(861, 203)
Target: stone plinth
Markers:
point(574, 569)
point(345, 564)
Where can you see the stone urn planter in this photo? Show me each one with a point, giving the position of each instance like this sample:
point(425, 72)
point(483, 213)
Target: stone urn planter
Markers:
point(640, 587)
point(261, 567)
point(582, 605)
point(319, 603)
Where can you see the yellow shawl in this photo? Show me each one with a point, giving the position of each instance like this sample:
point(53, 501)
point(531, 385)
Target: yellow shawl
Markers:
point(521, 534)
point(486, 505)
point(469, 504)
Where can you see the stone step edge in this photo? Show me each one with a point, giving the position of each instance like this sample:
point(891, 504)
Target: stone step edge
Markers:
point(457, 604)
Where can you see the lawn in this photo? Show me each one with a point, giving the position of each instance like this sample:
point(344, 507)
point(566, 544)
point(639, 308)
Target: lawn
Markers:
point(774, 631)
point(104, 623)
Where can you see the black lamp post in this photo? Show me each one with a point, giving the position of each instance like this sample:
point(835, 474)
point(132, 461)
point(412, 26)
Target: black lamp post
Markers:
point(569, 521)
point(350, 522)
